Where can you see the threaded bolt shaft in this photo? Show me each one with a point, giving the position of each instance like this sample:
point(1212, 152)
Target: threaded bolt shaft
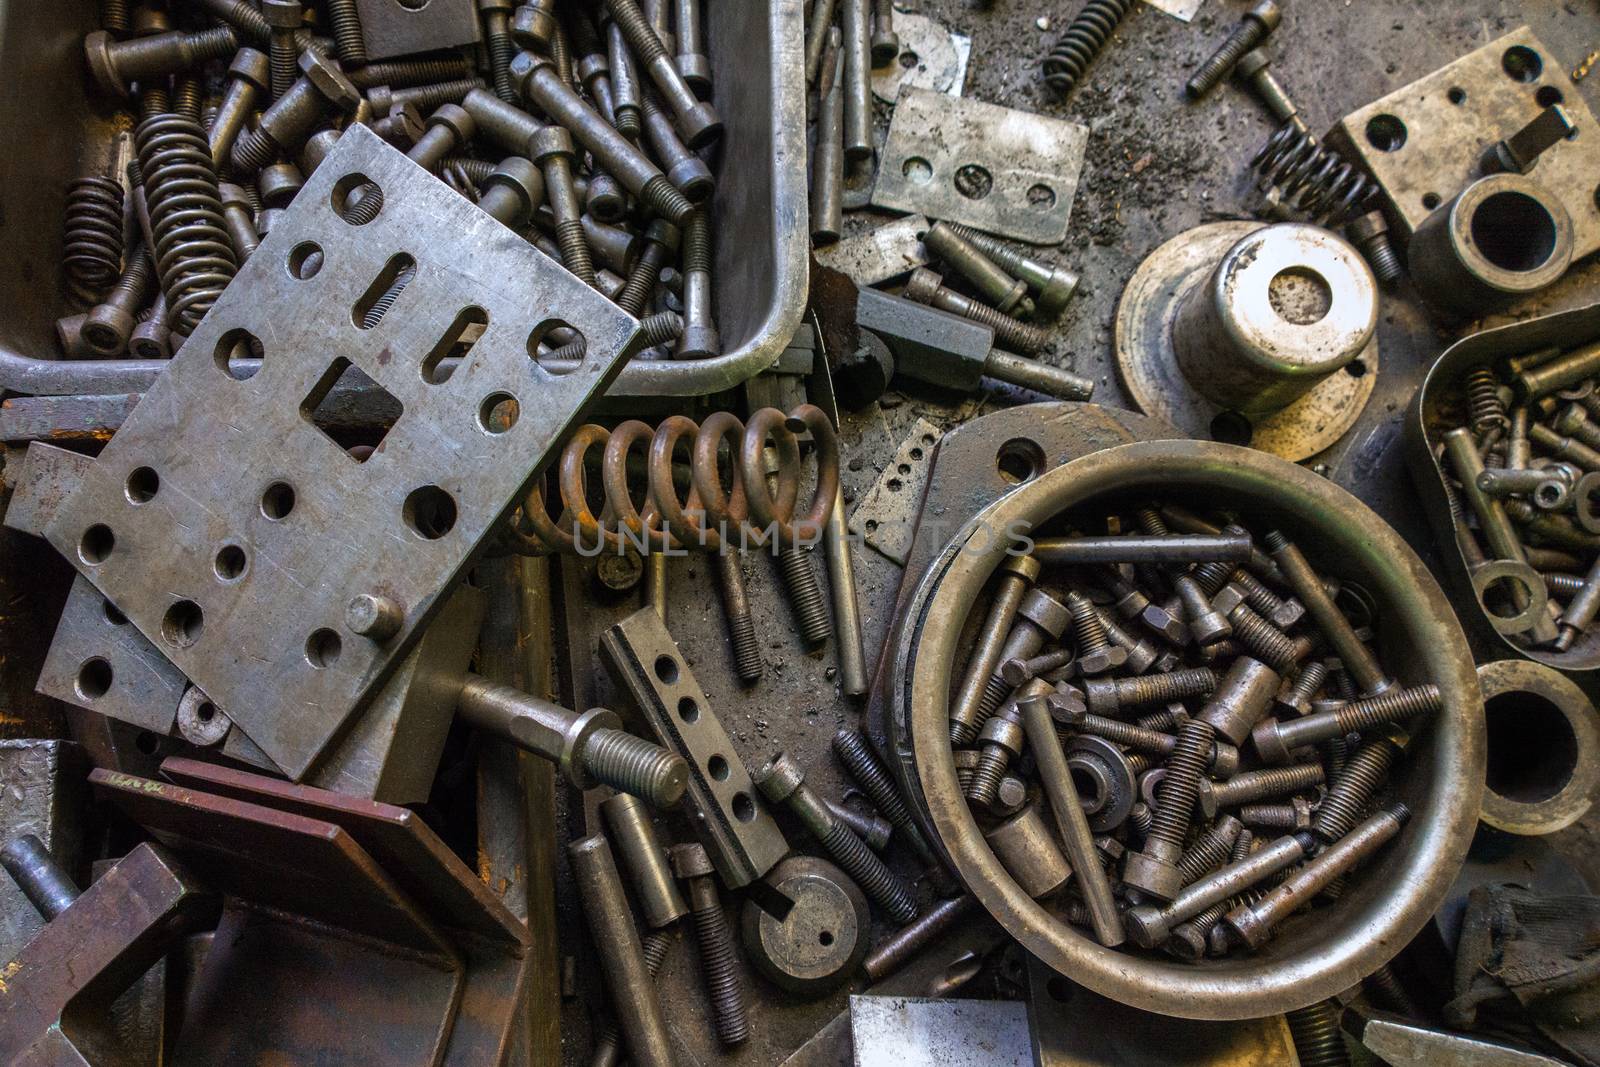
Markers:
point(1318, 1040)
point(347, 40)
point(1088, 630)
point(1210, 849)
point(1251, 31)
point(1176, 795)
point(1306, 683)
point(805, 594)
point(633, 765)
point(1188, 939)
point(1255, 785)
point(1054, 285)
point(1357, 783)
point(1275, 740)
point(283, 53)
point(426, 98)
point(114, 16)
point(1270, 816)
point(718, 963)
point(1007, 330)
point(857, 756)
point(880, 884)
point(1242, 845)
point(1165, 720)
point(736, 609)
point(1141, 818)
point(661, 196)
point(992, 763)
point(1268, 643)
point(404, 73)
point(1128, 734)
point(1152, 689)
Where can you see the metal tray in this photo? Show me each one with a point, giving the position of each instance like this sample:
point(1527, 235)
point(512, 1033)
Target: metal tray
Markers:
point(60, 130)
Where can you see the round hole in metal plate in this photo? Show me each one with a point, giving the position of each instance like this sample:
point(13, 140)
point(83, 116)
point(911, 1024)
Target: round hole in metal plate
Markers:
point(744, 808)
point(917, 170)
point(305, 261)
point(717, 767)
point(95, 546)
point(277, 501)
point(973, 181)
point(688, 710)
point(230, 563)
point(1386, 133)
point(94, 679)
point(498, 413)
point(430, 512)
point(142, 485)
point(666, 669)
point(323, 648)
point(183, 624)
point(1522, 63)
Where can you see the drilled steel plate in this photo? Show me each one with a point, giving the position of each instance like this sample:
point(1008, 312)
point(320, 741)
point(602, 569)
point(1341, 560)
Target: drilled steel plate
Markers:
point(886, 518)
point(1004, 171)
point(400, 27)
point(1148, 367)
point(1444, 121)
point(930, 57)
point(201, 464)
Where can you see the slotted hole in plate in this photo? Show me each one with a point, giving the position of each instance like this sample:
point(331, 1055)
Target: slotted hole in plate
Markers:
point(327, 407)
point(456, 341)
point(385, 289)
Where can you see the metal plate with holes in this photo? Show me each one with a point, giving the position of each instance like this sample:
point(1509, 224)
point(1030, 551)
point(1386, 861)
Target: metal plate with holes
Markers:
point(729, 816)
point(234, 531)
point(1000, 170)
point(923, 1032)
point(400, 27)
point(931, 57)
point(1423, 142)
point(100, 661)
point(1148, 367)
point(886, 518)
point(880, 254)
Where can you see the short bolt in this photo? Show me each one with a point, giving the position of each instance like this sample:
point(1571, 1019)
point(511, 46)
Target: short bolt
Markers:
point(999, 742)
point(1370, 233)
point(1292, 816)
point(1258, 22)
point(512, 191)
point(1276, 741)
point(152, 338)
point(782, 782)
point(1143, 653)
point(445, 131)
point(1058, 663)
point(697, 120)
point(284, 19)
point(247, 82)
point(1131, 604)
point(999, 288)
point(661, 240)
point(321, 89)
point(116, 65)
point(927, 287)
point(1108, 696)
point(111, 322)
point(1264, 640)
point(1054, 285)
point(1255, 70)
point(1296, 699)
point(718, 962)
point(1096, 653)
point(1206, 625)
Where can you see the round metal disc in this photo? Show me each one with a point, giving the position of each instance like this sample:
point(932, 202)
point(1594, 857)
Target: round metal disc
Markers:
point(1147, 366)
point(821, 940)
point(928, 58)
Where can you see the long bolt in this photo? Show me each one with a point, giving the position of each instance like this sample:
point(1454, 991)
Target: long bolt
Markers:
point(982, 690)
point(1564, 447)
point(1000, 742)
point(591, 748)
point(696, 119)
point(858, 758)
point(718, 962)
point(284, 17)
point(1309, 588)
point(1370, 233)
point(871, 827)
point(805, 594)
point(855, 26)
point(1356, 784)
point(1107, 696)
point(1148, 925)
point(552, 150)
point(1223, 758)
point(691, 59)
point(116, 65)
point(926, 287)
point(42, 880)
point(827, 157)
point(1251, 31)
point(736, 609)
point(1243, 788)
point(1054, 285)
point(1547, 376)
point(536, 78)
point(890, 954)
point(1017, 671)
point(1073, 825)
point(402, 73)
point(1252, 924)
point(608, 1046)
point(700, 339)
point(1275, 741)
point(248, 75)
point(1154, 869)
point(685, 170)
point(661, 241)
point(782, 782)
point(1001, 289)
point(1040, 377)
point(818, 28)
point(1255, 70)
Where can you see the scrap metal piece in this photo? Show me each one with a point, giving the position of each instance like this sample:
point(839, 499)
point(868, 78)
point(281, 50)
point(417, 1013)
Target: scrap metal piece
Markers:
point(271, 643)
point(821, 938)
point(880, 254)
point(401, 27)
point(1544, 769)
point(350, 905)
point(886, 518)
point(931, 57)
point(729, 815)
point(1008, 172)
point(1423, 142)
point(56, 993)
point(1153, 370)
point(1403, 1043)
point(1182, 10)
point(44, 796)
point(924, 1032)
point(39, 485)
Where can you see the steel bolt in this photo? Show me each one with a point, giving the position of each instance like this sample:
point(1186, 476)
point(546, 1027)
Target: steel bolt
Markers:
point(1016, 671)
point(284, 19)
point(782, 782)
point(818, 28)
point(445, 131)
point(551, 148)
point(1003, 291)
point(718, 962)
point(1154, 870)
point(1294, 815)
point(512, 191)
point(1370, 233)
point(1132, 604)
point(1019, 623)
point(1206, 625)
point(248, 75)
point(700, 339)
point(1211, 849)
point(871, 827)
point(697, 120)
point(1096, 653)
point(1148, 926)
point(1054, 285)
point(1223, 759)
point(661, 239)
point(289, 121)
point(625, 86)
point(1040, 377)
point(116, 65)
point(111, 322)
point(1263, 639)
point(1275, 741)
point(855, 26)
point(1357, 658)
point(1356, 784)
point(1255, 70)
point(1251, 31)
point(999, 742)
point(684, 169)
point(1107, 696)
point(1243, 788)
point(856, 754)
point(691, 60)
point(927, 287)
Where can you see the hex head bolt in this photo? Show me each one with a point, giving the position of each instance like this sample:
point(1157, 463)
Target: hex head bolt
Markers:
point(633, 994)
point(1148, 926)
point(285, 125)
point(1251, 925)
point(1131, 604)
point(111, 322)
point(536, 78)
point(116, 65)
point(999, 742)
point(718, 964)
point(999, 288)
point(1250, 786)
point(551, 147)
point(1311, 591)
point(1056, 777)
point(284, 19)
point(696, 120)
point(1003, 637)
point(1096, 653)
point(782, 782)
point(1275, 742)
point(856, 754)
point(590, 748)
point(1154, 869)
point(1254, 28)
point(634, 836)
point(927, 287)
point(1017, 671)
point(1356, 784)
point(247, 80)
point(691, 60)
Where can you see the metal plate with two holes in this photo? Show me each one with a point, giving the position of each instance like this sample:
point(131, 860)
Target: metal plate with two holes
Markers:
point(999, 170)
point(1423, 142)
point(234, 531)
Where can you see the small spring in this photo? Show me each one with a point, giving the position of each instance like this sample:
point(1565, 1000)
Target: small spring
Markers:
point(1311, 178)
point(745, 512)
point(92, 238)
point(1486, 408)
point(193, 255)
point(1075, 49)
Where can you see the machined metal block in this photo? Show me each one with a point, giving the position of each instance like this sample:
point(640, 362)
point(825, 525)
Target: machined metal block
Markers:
point(401, 27)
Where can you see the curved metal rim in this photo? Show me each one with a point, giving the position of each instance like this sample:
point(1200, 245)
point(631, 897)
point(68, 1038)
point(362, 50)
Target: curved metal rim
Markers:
point(1299, 968)
point(1569, 805)
point(1511, 282)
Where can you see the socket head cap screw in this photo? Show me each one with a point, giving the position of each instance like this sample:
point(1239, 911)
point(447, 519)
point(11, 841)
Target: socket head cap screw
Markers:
point(1267, 13)
point(779, 778)
point(282, 14)
point(1152, 876)
point(690, 861)
point(532, 27)
point(1268, 743)
point(251, 66)
point(549, 141)
point(1251, 63)
point(923, 284)
point(97, 53)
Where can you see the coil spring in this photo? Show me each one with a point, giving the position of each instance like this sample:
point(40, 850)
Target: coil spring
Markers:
point(1485, 406)
point(1311, 178)
point(92, 238)
point(1075, 49)
point(193, 254)
point(710, 515)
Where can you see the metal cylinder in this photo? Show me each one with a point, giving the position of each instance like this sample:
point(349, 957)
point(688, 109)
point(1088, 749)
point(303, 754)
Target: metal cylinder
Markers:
point(1017, 575)
point(42, 880)
point(1287, 306)
point(1040, 377)
point(633, 993)
point(635, 837)
point(1000, 288)
point(247, 83)
point(855, 24)
point(1308, 586)
point(890, 954)
point(852, 654)
point(827, 156)
point(1028, 848)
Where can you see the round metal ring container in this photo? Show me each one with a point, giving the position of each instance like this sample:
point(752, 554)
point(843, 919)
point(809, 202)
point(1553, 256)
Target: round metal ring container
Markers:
point(1387, 902)
point(1545, 759)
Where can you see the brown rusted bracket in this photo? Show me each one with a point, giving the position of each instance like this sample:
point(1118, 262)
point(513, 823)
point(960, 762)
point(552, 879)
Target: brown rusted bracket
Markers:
point(349, 934)
point(55, 996)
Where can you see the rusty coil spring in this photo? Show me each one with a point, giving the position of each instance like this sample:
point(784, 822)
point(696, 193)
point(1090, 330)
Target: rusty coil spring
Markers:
point(193, 255)
point(92, 234)
point(710, 514)
point(1312, 178)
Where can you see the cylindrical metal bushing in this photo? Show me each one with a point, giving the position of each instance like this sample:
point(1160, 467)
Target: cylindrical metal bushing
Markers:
point(645, 859)
point(1287, 306)
point(1027, 846)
